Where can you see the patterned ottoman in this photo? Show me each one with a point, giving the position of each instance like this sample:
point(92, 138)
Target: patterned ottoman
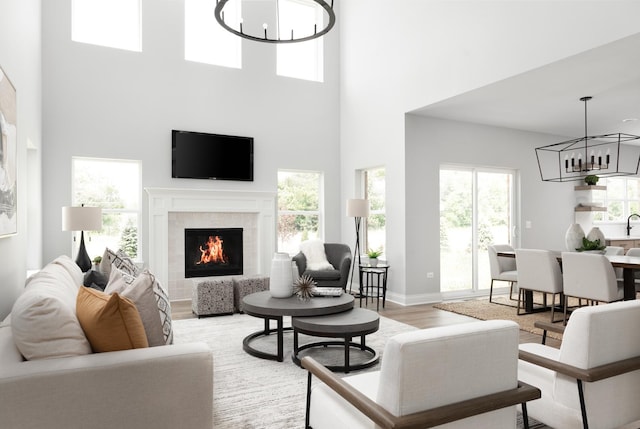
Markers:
point(243, 286)
point(210, 297)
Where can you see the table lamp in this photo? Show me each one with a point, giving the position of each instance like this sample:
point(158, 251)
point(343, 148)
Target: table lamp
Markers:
point(357, 208)
point(82, 219)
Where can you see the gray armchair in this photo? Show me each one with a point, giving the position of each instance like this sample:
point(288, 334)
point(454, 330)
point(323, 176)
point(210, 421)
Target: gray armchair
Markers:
point(338, 255)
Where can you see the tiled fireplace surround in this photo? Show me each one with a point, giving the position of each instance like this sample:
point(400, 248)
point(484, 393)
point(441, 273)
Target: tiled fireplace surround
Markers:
point(173, 210)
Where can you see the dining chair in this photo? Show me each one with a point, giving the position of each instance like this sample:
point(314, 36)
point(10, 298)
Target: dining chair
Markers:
point(593, 379)
point(502, 268)
point(635, 251)
point(589, 276)
point(615, 250)
point(539, 271)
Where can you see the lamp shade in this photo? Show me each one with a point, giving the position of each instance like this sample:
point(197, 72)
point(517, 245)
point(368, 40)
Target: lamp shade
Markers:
point(357, 207)
point(81, 218)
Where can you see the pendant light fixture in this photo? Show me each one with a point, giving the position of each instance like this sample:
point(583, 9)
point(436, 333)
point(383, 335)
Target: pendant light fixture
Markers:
point(269, 30)
point(605, 155)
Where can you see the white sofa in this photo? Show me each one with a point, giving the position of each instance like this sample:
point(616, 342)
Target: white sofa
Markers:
point(166, 386)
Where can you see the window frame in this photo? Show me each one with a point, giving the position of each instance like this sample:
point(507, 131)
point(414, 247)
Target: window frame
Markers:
point(125, 210)
point(365, 173)
point(105, 38)
point(291, 52)
point(320, 212)
point(626, 201)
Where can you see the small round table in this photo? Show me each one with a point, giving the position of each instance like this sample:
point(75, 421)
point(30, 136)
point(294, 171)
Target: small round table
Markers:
point(367, 273)
point(263, 305)
point(348, 324)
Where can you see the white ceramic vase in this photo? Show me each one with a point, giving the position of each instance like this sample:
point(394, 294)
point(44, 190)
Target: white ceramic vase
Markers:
point(573, 237)
point(281, 279)
point(596, 234)
point(373, 262)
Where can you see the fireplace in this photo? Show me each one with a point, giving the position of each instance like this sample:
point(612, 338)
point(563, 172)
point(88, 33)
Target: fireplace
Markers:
point(212, 252)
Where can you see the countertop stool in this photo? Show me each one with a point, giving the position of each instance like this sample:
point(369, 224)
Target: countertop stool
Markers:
point(346, 325)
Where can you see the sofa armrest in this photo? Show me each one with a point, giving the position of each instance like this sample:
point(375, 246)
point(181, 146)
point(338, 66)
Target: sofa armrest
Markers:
point(424, 419)
point(160, 387)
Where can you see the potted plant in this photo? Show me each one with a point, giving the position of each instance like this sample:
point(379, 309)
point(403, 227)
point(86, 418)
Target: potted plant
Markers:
point(592, 246)
point(373, 256)
point(591, 179)
point(96, 262)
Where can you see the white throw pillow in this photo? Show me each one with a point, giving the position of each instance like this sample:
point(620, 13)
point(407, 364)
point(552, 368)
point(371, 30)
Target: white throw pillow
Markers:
point(44, 323)
point(314, 253)
point(141, 292)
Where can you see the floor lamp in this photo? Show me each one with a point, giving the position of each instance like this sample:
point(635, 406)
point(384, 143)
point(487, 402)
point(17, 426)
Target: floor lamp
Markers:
point(82, 219)
point(357, 208)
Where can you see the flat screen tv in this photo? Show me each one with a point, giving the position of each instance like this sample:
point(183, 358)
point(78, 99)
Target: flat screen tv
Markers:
point(211, 156)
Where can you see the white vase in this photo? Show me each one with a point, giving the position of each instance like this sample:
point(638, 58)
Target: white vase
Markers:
point(596, 234)
point(573, 237)
point(281, 279)
point(373, 262)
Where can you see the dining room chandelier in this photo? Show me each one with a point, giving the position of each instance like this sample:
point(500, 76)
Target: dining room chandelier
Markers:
point(273, 29)
point(605, 155)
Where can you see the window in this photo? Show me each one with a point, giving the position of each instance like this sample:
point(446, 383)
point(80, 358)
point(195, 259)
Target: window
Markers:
point(300, 208)
point(114, 185)
point(621, 198)
point(112, 23)
point(301, 60)
point(375, 225)
point(205, 41)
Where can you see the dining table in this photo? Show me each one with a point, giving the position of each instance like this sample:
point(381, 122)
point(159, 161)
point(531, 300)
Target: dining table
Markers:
point(629, 264)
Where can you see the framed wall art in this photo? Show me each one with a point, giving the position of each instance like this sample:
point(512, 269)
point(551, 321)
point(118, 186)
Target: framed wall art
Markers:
point(8, 155)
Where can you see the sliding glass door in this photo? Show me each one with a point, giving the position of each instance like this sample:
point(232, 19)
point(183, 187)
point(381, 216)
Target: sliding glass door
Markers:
point(476, 209)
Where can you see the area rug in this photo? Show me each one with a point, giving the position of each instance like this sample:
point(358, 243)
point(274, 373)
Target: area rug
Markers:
point(501, 308)
point(252, 393)
point(256, 393)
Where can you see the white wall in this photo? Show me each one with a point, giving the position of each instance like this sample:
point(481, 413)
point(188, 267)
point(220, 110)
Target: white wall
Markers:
point(20, 60)
point(432, 142)
point(412, 53)
point(102, 102)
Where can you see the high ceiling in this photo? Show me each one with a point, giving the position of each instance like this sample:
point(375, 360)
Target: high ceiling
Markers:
point(547, 99)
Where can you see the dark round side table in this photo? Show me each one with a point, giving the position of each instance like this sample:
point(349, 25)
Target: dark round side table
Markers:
point(346, 325)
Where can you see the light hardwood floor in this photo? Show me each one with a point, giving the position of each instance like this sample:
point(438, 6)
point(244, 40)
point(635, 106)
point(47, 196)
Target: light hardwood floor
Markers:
point(421, 316)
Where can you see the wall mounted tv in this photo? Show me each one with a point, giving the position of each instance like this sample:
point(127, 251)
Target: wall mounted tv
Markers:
point(211, 156)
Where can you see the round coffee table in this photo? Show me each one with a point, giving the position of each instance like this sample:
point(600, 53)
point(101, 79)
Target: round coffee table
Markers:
point(263, 305)
point(348, 324)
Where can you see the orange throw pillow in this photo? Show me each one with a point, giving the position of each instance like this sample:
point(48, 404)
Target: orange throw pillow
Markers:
point(110, 322)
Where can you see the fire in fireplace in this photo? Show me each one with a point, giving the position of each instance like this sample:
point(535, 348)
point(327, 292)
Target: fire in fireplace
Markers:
point(212, 252)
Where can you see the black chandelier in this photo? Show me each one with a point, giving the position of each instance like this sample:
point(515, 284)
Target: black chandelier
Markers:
point(605, 155)
point(274, 36)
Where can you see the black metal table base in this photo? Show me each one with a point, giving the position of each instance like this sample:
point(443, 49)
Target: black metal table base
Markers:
point(279, 331)
point(347, 344)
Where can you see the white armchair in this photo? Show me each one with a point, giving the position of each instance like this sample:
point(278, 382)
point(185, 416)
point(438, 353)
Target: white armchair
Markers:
point(465, 374)
point(593, 380)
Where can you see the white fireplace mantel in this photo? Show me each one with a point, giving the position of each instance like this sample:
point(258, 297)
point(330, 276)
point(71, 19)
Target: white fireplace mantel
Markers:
point(162, 201)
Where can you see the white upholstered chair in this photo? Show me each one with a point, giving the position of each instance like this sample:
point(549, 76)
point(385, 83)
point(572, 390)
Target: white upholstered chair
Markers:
point(473, 365)
point(635, 251)
point(502, 268)
point(600, 356)
point(589, 276)
point(539, 270)
point(615, 250)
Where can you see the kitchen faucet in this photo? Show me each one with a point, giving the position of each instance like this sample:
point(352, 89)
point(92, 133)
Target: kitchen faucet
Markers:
point(628, 225)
